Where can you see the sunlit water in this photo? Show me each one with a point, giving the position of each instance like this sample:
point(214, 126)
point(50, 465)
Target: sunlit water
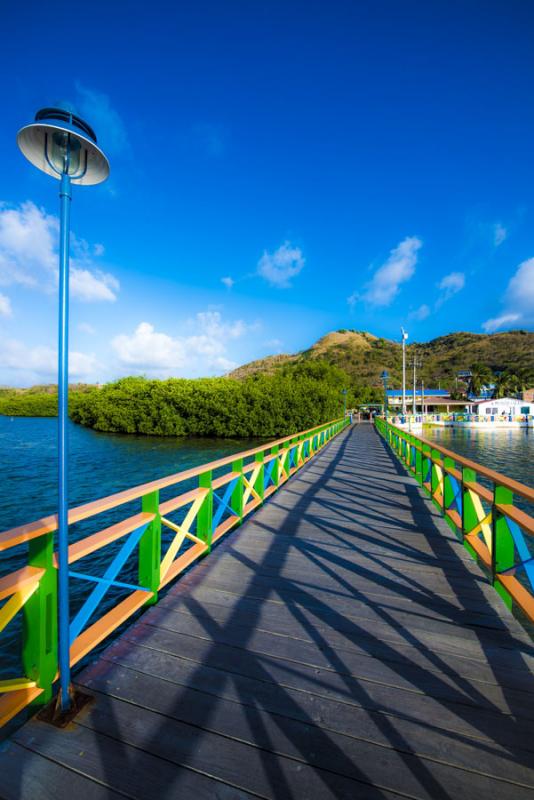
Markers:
point(508, 451)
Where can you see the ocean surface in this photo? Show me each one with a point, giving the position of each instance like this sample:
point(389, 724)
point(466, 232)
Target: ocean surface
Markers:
point(101, 464)
point(508, 451)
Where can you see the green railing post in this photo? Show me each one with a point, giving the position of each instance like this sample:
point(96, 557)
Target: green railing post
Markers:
point(40, 638)
point(259, 483)
point(427, 466)
point(150, 548)
point(205, 513)
point(275, 474)
point(502, 551)
point(448, 491)
point(469, 513)
point(237, 495)
point(434, 478)
point(286, 448)
point(418, 462)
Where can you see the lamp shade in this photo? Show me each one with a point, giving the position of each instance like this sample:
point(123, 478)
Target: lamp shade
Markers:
point(51, 128)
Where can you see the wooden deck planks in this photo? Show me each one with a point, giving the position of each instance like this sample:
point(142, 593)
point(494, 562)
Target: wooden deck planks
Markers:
point(339, 644)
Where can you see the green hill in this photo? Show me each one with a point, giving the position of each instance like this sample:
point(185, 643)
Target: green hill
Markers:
point(363, 356)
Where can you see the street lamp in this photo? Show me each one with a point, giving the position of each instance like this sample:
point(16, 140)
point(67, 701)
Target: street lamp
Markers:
point(62, 145)
point(404, 337)
point(344, 393)
point(385, 376)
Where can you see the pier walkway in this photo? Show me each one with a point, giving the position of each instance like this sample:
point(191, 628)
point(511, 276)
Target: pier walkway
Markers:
point(340, 644)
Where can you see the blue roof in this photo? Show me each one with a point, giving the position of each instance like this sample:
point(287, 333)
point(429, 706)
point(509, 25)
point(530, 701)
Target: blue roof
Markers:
point(409, 392)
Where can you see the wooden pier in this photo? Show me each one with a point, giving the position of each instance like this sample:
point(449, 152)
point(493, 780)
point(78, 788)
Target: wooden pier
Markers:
point(341, 643)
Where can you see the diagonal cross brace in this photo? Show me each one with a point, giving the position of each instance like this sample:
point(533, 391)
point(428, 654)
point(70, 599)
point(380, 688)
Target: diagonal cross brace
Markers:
point(89, 607)
point(527, 560)
point(268, 474)
point(223, 503)
point(457, 494)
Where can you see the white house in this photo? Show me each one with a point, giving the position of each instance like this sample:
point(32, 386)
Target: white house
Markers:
point(508, 406)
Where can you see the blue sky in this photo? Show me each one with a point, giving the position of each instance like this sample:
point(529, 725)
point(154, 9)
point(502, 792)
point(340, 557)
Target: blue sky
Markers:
point(278, 170)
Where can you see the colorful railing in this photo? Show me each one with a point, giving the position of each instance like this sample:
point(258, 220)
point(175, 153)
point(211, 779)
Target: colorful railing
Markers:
point(167, 535)
point(485, 516)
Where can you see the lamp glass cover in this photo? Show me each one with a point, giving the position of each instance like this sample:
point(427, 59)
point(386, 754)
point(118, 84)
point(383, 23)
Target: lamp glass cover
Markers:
point(64, 149)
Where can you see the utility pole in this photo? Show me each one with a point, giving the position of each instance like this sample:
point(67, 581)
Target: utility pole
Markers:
point(415, 364)
point(404, 337)
point(422, 398)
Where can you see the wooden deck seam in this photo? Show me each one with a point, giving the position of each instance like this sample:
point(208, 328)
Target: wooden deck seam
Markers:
point(250, 743)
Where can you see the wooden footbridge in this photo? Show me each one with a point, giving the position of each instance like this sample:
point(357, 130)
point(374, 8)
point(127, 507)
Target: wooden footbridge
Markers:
point(345, 640)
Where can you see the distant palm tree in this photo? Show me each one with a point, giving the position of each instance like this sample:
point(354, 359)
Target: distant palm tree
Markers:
point(480, 376)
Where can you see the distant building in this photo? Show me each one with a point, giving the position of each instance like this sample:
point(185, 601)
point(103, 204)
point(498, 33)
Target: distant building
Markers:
point(508, 406)
point(395, 395)
point(433, 400)
point(528, 395)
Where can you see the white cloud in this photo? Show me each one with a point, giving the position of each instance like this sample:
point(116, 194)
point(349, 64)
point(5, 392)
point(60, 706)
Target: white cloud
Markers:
point(5, 306)
point(148, 349)
point(84, 327)
point(160, 354)
point(420, 313)
point(96, 108)
point(228, 282)
point(500, 233)
point(518, 300)
point(90, 286)
point(450, 285)
point(399, 268)
point(279, 267)
point(28, 255)
point(504, 321)
point(98, 249)
point(41, 361)
point(274, 344)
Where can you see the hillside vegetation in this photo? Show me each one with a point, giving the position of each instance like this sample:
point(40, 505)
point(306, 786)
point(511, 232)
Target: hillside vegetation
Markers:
point(363, 356)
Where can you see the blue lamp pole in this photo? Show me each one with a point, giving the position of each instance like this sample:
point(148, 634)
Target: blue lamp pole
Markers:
point(62, 145)
point(385, 376)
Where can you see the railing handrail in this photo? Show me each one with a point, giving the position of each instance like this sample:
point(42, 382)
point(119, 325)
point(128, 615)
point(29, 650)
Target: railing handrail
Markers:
point(497, 477)
point(49, 524)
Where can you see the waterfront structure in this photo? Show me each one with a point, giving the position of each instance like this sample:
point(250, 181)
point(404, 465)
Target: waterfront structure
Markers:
point(336, 644)
point(507, 406)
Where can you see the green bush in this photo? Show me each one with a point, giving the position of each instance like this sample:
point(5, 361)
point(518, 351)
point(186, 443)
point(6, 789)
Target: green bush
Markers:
point(259, 406)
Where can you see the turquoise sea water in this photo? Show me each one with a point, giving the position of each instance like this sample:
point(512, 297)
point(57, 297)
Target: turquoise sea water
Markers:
point(508, 451)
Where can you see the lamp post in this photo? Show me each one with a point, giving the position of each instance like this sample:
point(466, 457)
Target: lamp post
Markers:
point(385, 376)
point(416, 364)
point(404, 337)
point(344, 393)
point(62, 145)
